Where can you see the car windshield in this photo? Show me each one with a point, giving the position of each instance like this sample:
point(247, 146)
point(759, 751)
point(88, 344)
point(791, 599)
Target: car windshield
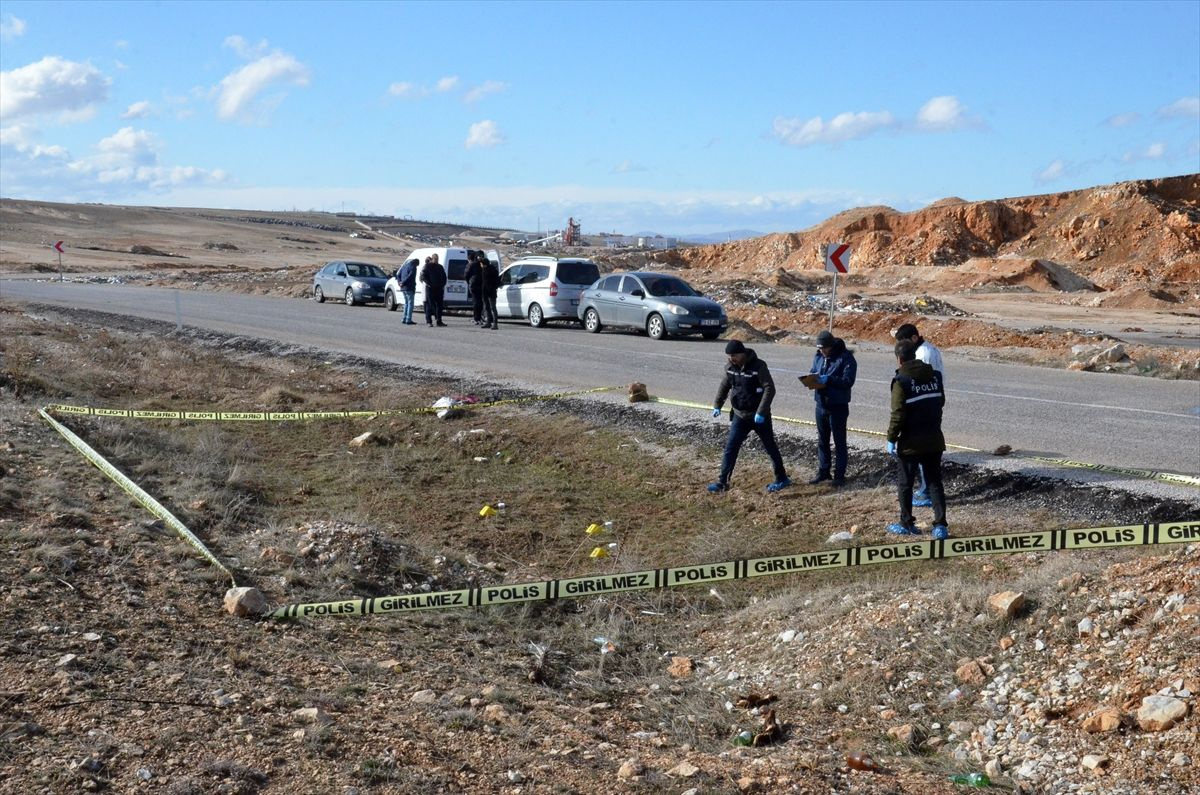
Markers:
point(364, 270)
point(578, 272)
point(667, 286)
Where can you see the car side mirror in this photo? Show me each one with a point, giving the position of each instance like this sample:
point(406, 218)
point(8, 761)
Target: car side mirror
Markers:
point(638, 294)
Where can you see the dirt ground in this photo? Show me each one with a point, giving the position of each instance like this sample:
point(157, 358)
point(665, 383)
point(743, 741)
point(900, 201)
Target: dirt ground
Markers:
point(122, 672)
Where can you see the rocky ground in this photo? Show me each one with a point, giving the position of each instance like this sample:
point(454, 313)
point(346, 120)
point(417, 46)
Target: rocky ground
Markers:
point(122, 671)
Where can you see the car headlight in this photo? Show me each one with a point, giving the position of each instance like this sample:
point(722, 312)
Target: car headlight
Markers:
point(358, 285)
point(676, 309)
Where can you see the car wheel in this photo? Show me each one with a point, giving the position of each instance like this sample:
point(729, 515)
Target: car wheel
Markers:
point(656, 328)
point(319, 294)
point(536, 319)
point(591, 320)
point(350, 297)
point(710, 335)
point(389, 300)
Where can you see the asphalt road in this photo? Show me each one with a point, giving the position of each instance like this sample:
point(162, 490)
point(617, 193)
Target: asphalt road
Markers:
point(1118, 420)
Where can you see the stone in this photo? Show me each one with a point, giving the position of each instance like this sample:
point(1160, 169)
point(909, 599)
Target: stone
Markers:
point(496, 713)
point(683, 770)
point(1094, 761)
point(904, 734)
point(1006, 643)
point(362, 440)
point(423, 697)
point(629, 770)
point(1105, 719)
point(243, 602)
point(971, 673)
point(787, 636)
point(888, 714)
point(747, 784)
point(962, 728)
point(311, 715)
point(1070, 583)
point(1086, 627)
point(1159, 713)
point(681, 667)
point(993, 769)
point(1007, 604)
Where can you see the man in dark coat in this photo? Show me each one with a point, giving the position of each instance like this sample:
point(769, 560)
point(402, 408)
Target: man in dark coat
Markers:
point(490, 280)
point(474, 277)
point(914, 436)
point(748, 384)
point(408, 285)
point(433, 276)
point(831, 378)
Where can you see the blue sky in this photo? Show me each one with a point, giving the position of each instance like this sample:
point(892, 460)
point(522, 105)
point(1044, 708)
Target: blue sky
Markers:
point(670, 117)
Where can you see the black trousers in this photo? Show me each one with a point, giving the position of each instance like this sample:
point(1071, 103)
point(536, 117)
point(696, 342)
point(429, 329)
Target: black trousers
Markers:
point(932, 464)
point(433, 303)
point(489, 310)
point(477, 303)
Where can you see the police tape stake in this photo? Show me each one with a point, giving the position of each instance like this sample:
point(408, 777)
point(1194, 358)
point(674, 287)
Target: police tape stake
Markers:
point(847, 557)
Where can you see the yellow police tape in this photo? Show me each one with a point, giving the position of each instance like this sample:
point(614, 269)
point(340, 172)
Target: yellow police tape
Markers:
point(846, 557)
point(1145, 474)
point(283, 416)
point(139, 495)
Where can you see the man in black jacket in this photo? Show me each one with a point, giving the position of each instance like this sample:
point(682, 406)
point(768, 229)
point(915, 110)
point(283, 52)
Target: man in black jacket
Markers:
point(474, 277)
point(490, 281)
point(914, 436)
point(433, 276)
point(748, 384)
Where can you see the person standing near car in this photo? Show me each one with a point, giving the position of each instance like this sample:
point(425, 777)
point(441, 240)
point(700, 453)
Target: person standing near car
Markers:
point(748, 385)
point(408, 286)
point(474, 277)
point(926, 352)
point(831, 378)
point(433, 276)
point(914, 436)
point(490, 281)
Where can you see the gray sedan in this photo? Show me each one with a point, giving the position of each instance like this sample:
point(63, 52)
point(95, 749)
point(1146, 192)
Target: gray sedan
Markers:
point(351, 282)
point(657, 303)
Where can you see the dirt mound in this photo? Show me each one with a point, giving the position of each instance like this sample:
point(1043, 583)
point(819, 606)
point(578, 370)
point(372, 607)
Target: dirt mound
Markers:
point(1096, 235)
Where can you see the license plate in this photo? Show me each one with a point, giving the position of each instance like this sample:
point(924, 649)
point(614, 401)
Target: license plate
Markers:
point(456, 288)
point(709, 322)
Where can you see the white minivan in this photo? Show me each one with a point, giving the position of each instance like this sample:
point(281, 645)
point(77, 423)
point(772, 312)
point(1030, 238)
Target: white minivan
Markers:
point(544, 288)
point(454, 260)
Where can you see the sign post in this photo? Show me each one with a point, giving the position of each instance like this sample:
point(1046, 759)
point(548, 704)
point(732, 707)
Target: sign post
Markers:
point(58, 248)
point(837, 260)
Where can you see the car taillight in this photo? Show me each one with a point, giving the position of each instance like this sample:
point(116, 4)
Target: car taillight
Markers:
point(553, 289)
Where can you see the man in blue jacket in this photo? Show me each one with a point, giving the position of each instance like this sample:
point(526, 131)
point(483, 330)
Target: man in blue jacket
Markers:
point(750, 389)
point(833, 372)
point(408, 285)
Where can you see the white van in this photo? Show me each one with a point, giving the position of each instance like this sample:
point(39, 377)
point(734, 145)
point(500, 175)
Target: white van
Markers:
point(454, 260)
point(544, 288)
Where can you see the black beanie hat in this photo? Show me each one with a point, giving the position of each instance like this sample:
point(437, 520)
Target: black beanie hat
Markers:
point(734, 346)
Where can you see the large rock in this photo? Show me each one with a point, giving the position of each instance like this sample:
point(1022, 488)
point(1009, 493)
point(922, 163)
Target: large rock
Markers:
point(1105, 719)
point(1007, 604)
point(243, 602)
point(1158, 713)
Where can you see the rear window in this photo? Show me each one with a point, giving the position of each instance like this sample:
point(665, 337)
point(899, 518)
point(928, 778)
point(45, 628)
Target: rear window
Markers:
point(456, 269)
point(578, 272)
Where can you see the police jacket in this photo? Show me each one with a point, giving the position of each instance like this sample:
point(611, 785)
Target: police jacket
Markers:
point(749, 388)
point(842, 369)
point(917, 400)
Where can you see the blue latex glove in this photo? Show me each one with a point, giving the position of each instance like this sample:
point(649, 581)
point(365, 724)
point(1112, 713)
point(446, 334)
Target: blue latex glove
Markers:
point(759, 419)
point(716, 412)
point(891, 448)
point(824, 379)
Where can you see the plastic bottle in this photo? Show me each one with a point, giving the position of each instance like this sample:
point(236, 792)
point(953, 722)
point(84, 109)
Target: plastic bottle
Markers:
point(971, 779)
point(744, 738)
point(861, 761)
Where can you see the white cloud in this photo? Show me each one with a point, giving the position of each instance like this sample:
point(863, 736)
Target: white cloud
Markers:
point(1055, 171)
point(944, 113)
point(238, 95)
point(482, 90)
point(11, 27)
point(626, 167)
point(1122, 119)
point(1155, 151)
point(1184, 108)
point(446, 84)
point(843, 127)
point(138, 110)
point(405, 90)
point(52, 85)
point(484, 135)
point(245, 49)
